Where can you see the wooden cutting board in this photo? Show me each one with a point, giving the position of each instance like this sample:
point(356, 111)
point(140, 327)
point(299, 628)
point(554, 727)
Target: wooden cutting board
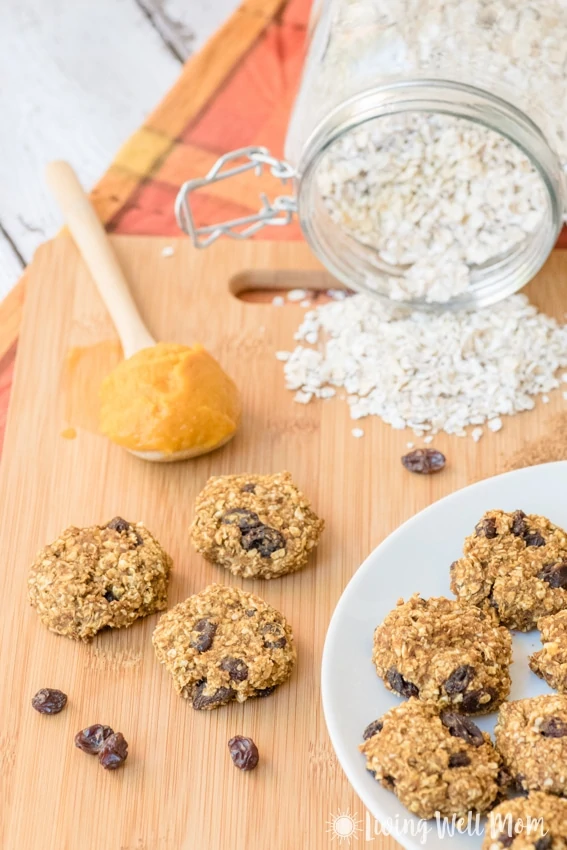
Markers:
point(179, 788)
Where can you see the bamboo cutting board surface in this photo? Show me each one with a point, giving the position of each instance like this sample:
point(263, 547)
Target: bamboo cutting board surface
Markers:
point(179, 789)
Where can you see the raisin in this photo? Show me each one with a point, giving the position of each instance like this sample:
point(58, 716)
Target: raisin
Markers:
point(506, 839)
point(520, 529)
point(519, 782)
point(220, 697)
point(49, 701)
point(401, 685)
point(477, 700)
point(503, 778)
point(91, 740)
point(206, 631)
point(555, 575)
point(389, 780)
point(462, 727)
point(519, 525)
point(424, 461)
point(236, 668)
point(534, 539)
point(264, 539)
point(544, 843)
point(114, 751)
point(248, 488)
point(264, 692)
point(487, 528)
point(118, 524)
point(109, 596)
point(244, 519)
point(372, 729)
point(274, 633)
point(243, 752)
point(250, 612)
point(460, 759)
point(553, 727)
point(459, 679)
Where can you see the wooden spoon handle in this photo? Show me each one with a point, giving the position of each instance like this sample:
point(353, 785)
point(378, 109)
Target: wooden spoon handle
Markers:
point(96, 250)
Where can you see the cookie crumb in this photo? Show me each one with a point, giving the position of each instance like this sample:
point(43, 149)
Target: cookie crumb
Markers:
point(476, 434)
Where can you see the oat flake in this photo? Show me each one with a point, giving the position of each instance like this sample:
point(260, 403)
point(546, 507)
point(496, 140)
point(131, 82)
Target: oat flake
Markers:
point(424, 371)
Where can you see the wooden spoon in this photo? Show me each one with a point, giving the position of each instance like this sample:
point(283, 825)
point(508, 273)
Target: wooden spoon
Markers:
point(97, 252)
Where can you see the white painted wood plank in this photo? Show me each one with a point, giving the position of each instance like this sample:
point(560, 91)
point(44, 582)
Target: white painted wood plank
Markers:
point(76, 79)
point(187, 24)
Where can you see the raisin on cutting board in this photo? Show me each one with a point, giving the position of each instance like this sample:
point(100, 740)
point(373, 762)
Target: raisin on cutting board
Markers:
point(91, 740)
point(424, 461)
point(243, 752)
point(114, 751)
point(49, 701)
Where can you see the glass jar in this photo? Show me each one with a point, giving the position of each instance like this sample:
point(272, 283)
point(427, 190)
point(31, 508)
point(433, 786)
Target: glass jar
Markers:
point(427, 148)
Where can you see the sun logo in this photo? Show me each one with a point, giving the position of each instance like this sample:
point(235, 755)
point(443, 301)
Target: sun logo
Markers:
point(344, 826)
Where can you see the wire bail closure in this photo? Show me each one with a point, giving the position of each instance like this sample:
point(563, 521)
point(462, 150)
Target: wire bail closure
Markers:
point(276, 213)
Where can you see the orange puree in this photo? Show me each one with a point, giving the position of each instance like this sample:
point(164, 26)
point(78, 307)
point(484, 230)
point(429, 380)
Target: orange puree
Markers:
point(169, 398)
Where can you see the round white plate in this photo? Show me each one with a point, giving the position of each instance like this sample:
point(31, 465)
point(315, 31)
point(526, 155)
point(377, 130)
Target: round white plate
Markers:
point(416, 558)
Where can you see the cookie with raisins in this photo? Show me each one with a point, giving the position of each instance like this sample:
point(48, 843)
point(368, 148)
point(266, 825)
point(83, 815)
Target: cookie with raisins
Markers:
point(435, 763)
point(103, 576)
point(446, 653)
point(224, 644)
point(517, 563)
point(257, 526)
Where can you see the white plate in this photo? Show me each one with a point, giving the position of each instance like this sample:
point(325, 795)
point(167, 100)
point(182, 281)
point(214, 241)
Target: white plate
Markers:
point(416, 558)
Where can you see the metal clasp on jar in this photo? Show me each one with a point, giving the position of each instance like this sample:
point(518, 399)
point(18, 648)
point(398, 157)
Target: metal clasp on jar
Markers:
point(276, 213)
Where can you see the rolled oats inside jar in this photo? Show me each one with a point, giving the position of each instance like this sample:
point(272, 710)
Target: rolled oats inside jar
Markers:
point(430, 146)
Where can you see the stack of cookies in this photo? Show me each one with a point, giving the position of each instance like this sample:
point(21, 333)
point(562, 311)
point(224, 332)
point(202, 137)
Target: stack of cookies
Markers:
point(451, 659)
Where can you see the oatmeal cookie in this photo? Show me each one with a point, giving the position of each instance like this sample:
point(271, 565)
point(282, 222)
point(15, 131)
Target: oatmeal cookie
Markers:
point(531, 736)
point(224, 644)
point(97, 577)
point(550, 663)
point(445, 653)
point(518, 563)
point(535, 822)
point(433, 762)
point(257, 526)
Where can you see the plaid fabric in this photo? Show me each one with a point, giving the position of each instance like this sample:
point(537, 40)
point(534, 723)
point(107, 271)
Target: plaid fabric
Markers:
point(250, 106)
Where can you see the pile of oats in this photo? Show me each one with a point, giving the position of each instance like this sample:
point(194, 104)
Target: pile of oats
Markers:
point(434, 194)
point(427, 372)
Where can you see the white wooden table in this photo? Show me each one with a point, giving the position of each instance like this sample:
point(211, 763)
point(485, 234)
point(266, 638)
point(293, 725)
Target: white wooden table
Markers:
point(77, 77)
